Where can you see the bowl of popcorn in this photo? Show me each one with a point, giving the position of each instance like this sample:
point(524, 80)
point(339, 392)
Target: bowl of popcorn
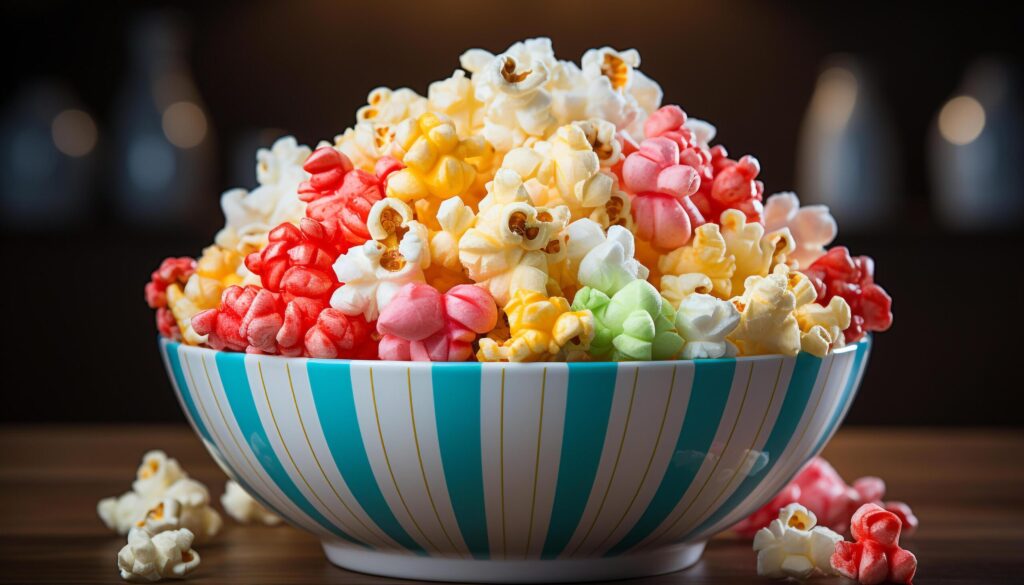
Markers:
point(535, 326)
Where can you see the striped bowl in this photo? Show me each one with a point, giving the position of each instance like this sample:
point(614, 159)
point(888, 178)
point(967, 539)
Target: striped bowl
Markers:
point(513, 473)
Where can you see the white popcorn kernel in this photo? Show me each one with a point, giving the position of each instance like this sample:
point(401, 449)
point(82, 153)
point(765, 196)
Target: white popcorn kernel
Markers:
point(120, 513)
point(793, 547)
point(610, 264)
point(243, 508)
point(675, 288)
point(156, 474)
point(167, 555)
point(704, 322)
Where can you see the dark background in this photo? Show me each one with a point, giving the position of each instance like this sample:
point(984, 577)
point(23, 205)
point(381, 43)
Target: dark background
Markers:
point(78, 342)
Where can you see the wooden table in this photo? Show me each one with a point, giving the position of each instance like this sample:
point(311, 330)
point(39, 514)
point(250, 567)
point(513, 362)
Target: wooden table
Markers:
point(966, 486)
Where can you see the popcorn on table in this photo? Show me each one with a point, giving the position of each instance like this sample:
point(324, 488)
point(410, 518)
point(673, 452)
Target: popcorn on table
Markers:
point(544, 183)
point(793, 546)
point(149, 558)
point(243, 508)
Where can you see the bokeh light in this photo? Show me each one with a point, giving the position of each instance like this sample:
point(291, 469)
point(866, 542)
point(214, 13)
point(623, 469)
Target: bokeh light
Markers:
point(184, 124)
point(74, 132)
point(961, 120)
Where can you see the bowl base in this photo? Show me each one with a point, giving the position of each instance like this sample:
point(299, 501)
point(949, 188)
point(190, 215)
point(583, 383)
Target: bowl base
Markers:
point(406, 566)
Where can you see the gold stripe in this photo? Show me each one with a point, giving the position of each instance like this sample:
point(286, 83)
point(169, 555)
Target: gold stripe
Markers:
point(714, 468)
point(501, 456)
point(228, 427)
point(824, 388)
point(736, 472)
point(615, 466)
point(536, 463)
point(288, 452)
point(312, 452)
point(423, 471)
point(647, 470)
point(387, 460)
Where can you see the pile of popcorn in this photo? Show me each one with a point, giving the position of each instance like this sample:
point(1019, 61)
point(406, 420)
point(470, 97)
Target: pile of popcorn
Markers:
point(526, 209)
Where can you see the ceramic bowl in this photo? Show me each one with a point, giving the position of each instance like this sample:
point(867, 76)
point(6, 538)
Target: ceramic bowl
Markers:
point(513, 472)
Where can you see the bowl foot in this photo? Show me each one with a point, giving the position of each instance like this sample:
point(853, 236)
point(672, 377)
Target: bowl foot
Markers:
point(406, 566)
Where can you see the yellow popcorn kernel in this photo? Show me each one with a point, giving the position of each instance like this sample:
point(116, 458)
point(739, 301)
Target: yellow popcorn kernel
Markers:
point(706, 254)
point(767, 324)
point(675, 288)
point(539, 327)
point(446, 271)
point(755, 252)
point(822, 327)
point(509, 246)
point(439, 165)
point(217, 269)
point(367, 142)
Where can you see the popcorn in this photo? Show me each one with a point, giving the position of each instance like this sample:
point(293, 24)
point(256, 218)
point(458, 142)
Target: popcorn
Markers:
point(192, 513)
point(692, 137)
point(676, 288)
point(512, 88)
point(767, 324)
point(168, 555)
point(421, 324)
point(812, 226)
point(243, 508)
point(734, 187)
point(250, 215)
point(445, 270)
point(617, 91)
point(707, 255)
point(340, 197)
point(539, 328)
point(792, 546)
point(662, 211)
point(838, 274)
point(156, 473)
point(366, 143)
point(565, 170)
point(821, 489)
point(373, 273)
point(507, 249)
point(705, 322)
point(337, 335)
point(635, 323)
point(822, 327)
point(297, 261)
point(216, 269)
point(438, 164)
point(172, 272)
point(389, 106)
point(875, 556)
point(120, 513)
point(454, 97)
point(754, 251)
point(604, 262)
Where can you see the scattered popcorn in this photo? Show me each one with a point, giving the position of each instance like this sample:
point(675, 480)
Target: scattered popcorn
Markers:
point(875, 555)
point(167, 555)
point(251, 215)
point(793, 546)
point(157, 473)
point(635, 323)
point(821, 489)
point(243, 508)
point(539, 328)
point(811, 226)
point(545, 184)
point(421, 324)
point(704, 322)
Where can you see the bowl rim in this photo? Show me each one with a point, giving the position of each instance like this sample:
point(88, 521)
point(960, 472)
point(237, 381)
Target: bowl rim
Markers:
point(866, 342)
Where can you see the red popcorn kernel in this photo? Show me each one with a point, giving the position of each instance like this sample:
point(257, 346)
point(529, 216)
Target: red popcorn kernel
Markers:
point(734, 187)
point(337, 335)
point(223, 324)
point(340, 196)
point(819, 488)
point(875, 555)
point(171, 271)
point(297, 260)
point(852, 278)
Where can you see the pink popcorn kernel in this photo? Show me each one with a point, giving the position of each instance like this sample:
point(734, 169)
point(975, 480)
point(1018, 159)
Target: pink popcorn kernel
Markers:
point(661, 188)
point(421, 324)
point(875, 555)
point(340, 196)
point(337, 335)
point(171, 271)
point(734, 186)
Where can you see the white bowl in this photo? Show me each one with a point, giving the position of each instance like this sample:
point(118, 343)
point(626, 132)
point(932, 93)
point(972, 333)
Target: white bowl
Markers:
point(513, 472)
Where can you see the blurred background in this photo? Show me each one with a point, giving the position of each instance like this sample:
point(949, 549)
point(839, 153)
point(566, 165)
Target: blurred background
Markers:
point(121, 124)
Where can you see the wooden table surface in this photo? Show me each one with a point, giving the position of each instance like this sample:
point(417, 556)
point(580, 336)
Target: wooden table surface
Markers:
point(966, 487)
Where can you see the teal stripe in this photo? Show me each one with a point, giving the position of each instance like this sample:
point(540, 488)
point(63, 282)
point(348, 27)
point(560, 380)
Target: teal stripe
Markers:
point(709, 395)
point(171, 351)
point(331, 385)
point(231, 368)
point(588, 407)
point(801, 386)
point(457, 410)
point(851, 388)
